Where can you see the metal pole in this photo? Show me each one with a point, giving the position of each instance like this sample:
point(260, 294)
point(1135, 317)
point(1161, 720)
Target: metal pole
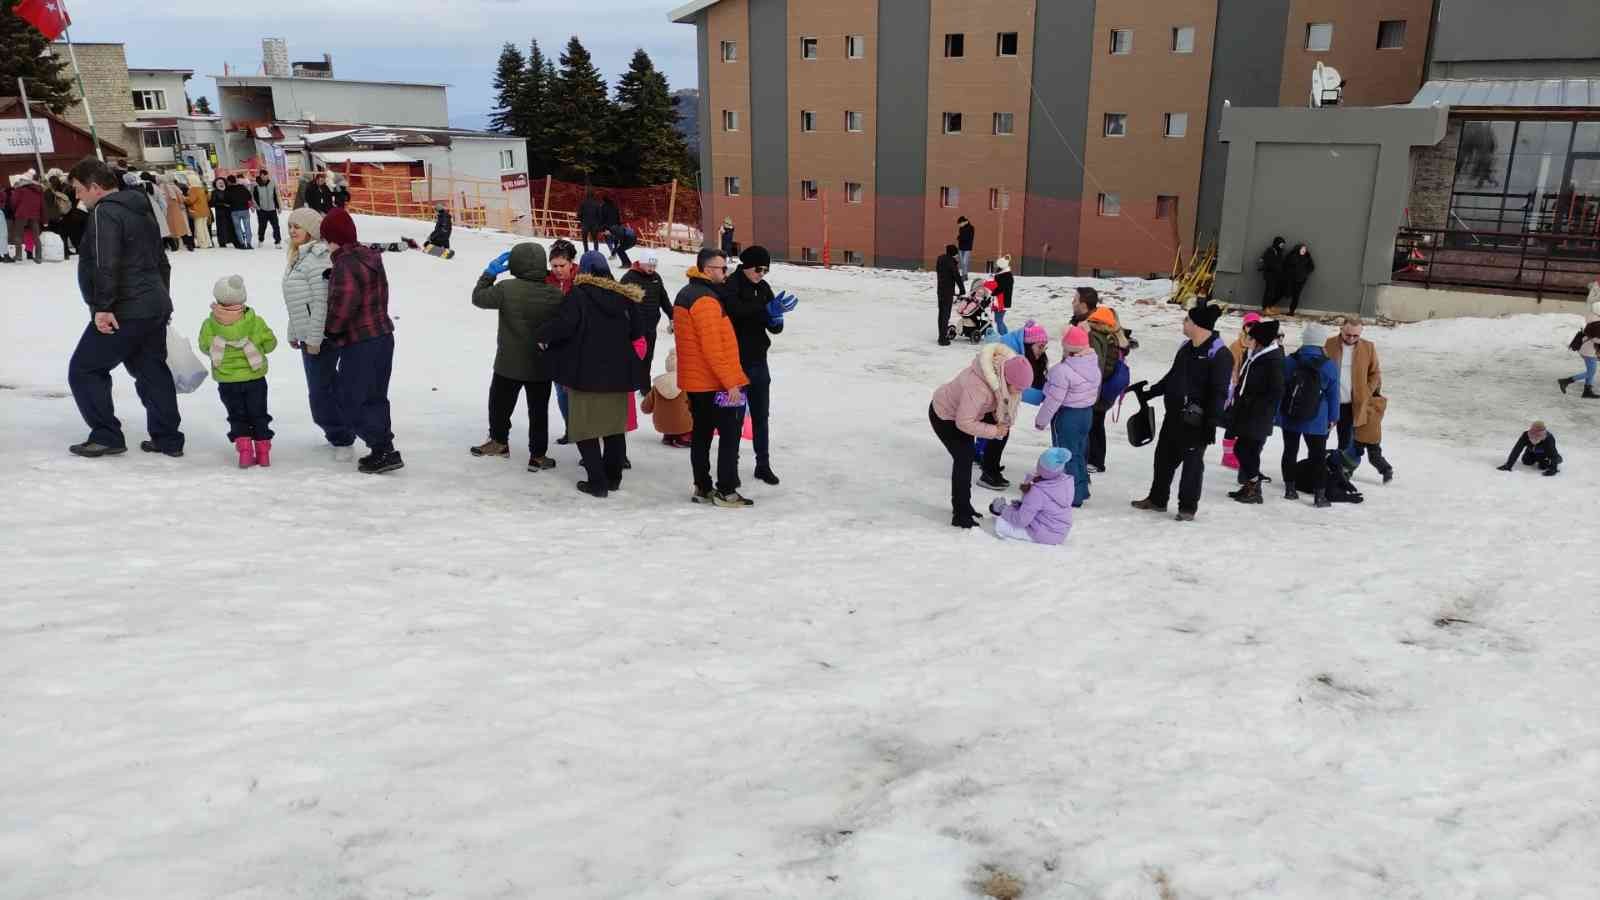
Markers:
point(33, 136)
point(87, 110)
point(672, 210)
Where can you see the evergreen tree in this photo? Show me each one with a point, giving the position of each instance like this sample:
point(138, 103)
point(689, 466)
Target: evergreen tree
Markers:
point(582, 113)
point(202, 107)
point(644, 143)
point(24, 53)
point(531, 121)
point(508, 79)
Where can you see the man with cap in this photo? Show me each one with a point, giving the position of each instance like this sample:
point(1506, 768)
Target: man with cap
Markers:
point(757, 313)
point(1257, 392)
point(359, 328)
point(1195, 391)
point(1309, 372)
point(950, 283)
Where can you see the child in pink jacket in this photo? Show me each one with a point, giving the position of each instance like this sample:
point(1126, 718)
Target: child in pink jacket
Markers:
point(991, 386)
point(1044, 514)
point(1071, 388)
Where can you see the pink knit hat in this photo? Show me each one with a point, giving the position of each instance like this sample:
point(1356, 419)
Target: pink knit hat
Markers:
point(1075, 337)
point(1018, 372)
point(1034, 333)
point(1250, 318)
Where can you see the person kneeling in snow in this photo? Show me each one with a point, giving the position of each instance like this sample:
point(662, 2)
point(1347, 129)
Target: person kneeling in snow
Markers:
point(238, 341)
point(1537, 446)
point(1044, 514)
point(668, 406)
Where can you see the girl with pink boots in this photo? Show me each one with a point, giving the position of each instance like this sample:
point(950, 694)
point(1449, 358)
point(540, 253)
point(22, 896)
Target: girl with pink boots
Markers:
point(1044, 514)
point(238, 341)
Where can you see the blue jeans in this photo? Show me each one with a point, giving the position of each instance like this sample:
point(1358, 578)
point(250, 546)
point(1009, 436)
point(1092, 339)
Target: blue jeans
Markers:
point(1587, 376)
point(363, 390)
point(1070, 429)
point(241, 226)
point(561, 404)
point(322, 373)
point(1000, 322)
point(758, 394)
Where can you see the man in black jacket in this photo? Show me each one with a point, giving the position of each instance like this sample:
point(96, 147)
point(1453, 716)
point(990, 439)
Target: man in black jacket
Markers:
point(589, 222)
point(124, 277)
point(1271, 266)
point(951, 282)
point(966, 236)
point(752, 322)
point(239, 199)
point(1195, 391)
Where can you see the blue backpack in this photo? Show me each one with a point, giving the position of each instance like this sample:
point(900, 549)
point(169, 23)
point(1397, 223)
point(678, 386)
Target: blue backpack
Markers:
point(1113, 387)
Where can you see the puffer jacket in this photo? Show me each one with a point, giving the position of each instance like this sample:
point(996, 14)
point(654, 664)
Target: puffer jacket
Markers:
point(1073, 383)
point(980, 390)
point(1328, 410)
point(122, 267)
point(1045, 510)
point(591, 337)
point(234, 364)
point(1259, 394)
point(305, 293)
point(525, 303)
point(27, 201)
point(708, 350)
point(747, 307)
point(656, 301)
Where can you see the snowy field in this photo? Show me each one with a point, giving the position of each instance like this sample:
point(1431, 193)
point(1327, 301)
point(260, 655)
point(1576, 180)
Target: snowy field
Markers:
point(468, 681)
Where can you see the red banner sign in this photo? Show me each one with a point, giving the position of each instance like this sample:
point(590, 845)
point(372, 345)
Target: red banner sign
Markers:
point(515, 182)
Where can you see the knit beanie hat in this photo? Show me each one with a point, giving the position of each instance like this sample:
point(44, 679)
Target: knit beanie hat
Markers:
point(1018, 372)
point(338, 227)
point(1250, 318)
point(1055, 459)
point(1075, 337)
point(309, 220)
point(1315, 335)
point(1003, 264)
point(649, 258)
point(1205, 315)
point(1264, 332)
point(1034, 333)
point(229, 291)
point(755, 257)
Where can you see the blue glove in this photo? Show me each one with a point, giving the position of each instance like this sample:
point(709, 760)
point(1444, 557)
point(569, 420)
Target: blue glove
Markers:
point(786, 301)
point(775, 309)
point(498, 265)
point(1033, 396)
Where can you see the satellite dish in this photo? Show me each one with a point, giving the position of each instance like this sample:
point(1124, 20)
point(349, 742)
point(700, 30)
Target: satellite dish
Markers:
point(1327, 86)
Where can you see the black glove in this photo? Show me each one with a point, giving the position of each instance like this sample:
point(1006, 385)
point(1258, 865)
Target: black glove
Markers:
point(1504, 468)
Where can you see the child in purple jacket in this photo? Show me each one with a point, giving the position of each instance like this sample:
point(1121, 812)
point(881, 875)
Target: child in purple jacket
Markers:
point(1070, 390)
point(1044, 514)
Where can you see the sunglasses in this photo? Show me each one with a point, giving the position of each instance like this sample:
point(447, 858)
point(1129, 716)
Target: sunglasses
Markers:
point(759, 270)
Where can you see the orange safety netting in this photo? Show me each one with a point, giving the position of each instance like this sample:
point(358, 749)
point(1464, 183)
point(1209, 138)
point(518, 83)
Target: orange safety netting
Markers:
point(666, 215)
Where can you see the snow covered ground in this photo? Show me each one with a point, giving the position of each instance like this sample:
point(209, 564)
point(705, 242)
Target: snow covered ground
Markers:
point(468, 681)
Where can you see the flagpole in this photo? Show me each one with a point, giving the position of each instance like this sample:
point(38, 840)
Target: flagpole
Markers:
point(33, 136)
point(87, 109)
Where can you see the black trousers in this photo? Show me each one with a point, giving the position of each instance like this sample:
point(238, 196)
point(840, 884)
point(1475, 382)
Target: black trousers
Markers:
point(591, 239)
point(961, 447)
point(246, 403)
point(649, 354)
point(1316, 448)
point(503, 394)
point(362, 386)
point(945, 305)
point(1097, 437)
point(993, 451)
point(1294, 288)
point(709, 419)
point(1248, 450)
point(263, 218)
point(141, 346)
point(602, 460)
point(758, 396)
point(1172, 451)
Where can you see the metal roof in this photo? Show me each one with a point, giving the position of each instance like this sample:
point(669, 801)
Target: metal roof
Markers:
point(1531, 93)
point(365, 156)
point(688, 11)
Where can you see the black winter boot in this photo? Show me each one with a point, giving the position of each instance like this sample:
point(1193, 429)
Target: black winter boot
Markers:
point(1589, 394)
point(1289, 492)
point(1321, 500)
point(1564, 383)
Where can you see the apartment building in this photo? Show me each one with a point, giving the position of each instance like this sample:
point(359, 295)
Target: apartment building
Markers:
point(1079, 136)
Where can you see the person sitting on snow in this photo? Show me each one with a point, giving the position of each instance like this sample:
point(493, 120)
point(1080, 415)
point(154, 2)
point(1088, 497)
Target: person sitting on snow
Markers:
point(1537, 446)
point(442, 227)
point(1044, 514)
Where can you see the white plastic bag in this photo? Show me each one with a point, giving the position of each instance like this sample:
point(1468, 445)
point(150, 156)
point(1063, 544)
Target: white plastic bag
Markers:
point(188, 372)
point(51, 249)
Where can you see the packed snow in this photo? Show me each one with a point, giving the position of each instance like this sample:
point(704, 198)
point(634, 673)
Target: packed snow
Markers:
point(464, 680)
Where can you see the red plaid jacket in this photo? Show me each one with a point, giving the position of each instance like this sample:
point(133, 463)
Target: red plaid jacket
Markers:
point(358, 296)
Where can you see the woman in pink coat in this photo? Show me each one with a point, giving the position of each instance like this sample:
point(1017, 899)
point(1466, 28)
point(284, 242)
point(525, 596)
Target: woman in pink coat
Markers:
point(991, 386)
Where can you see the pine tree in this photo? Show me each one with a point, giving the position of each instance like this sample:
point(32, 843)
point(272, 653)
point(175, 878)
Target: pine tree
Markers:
point(530, 110)
point(582, 111)
point(508, 78)
point(202, 107)
point(24, 53)
point(644, 143)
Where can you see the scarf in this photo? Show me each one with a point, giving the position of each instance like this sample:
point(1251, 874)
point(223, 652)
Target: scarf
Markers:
point(225, 314)
point(219, 348)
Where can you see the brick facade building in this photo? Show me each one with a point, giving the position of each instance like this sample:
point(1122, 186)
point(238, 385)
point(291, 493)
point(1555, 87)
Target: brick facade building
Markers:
point(105, 75)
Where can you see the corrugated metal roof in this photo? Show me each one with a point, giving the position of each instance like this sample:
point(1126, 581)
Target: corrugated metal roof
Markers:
point(1542, 93)
point(365, 156)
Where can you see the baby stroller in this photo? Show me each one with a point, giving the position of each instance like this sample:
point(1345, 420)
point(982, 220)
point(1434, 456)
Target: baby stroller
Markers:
point(972, 316)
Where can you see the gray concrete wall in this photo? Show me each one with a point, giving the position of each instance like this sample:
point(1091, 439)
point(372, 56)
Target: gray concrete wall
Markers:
point(1246, 70)
point(1506, 30)
point(769, 125)
point(902, 139)
point(1334, 179)
point(1063, 33)
point(708, 196)
point(1409, 303)
point(359, 102)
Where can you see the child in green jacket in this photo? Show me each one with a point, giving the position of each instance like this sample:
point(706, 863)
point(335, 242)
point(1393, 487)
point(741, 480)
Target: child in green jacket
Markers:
point(238, 341)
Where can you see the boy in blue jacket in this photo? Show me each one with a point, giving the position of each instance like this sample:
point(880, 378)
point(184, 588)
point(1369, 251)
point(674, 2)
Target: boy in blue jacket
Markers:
point(1310, 409)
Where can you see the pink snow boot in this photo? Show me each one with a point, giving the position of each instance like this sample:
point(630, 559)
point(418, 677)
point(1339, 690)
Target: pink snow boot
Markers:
point(263, 453)
point(247, 452)
point(1228, 459)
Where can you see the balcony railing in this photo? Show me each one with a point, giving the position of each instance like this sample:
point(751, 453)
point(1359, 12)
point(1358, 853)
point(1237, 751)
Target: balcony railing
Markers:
point(1540, 264)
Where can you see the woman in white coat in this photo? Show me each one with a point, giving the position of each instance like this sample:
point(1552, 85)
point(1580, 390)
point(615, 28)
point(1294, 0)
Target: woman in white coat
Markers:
point(305, 294)
point(1588, 347)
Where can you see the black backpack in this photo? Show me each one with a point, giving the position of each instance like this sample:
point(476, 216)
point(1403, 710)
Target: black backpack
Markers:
point(1304, 394)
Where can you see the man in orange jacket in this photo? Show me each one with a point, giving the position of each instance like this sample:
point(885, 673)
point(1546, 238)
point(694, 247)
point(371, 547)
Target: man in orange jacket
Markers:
point(709, 371)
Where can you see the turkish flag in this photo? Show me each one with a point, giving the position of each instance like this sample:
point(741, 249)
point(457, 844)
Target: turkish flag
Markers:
point(49, 16)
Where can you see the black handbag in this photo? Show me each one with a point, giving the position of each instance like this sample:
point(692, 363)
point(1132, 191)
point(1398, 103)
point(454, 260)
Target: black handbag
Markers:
point(1142, 424)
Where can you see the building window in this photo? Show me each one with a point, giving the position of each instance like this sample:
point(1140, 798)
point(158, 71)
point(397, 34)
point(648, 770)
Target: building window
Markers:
point(852, 192)
point(952, 123)
point(730, 120)
point(1004, 123)
point(1105, 273)
point(155, 138)
point(1177, 124)
point(1319, 36)
point(854, 121)
point(955, 46)
point(1005, 43)
point(999, 199)
point(1183, 39)
point(855, 46)
point(1392, 34)
point(150, 101)
point(808, 48)
point(508, 160)
point(949, 197)
point(808, 190)
point(730, 51)
point(1166, 206)
point(1110, 204)
point(1121, 41)
point(1116, 125)
point(852, 258)
point(808, 120)
point(808, 254)
point(731, 186)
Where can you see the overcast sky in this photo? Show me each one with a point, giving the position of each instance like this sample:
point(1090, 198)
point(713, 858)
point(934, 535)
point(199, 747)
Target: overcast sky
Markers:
point(456, 42)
